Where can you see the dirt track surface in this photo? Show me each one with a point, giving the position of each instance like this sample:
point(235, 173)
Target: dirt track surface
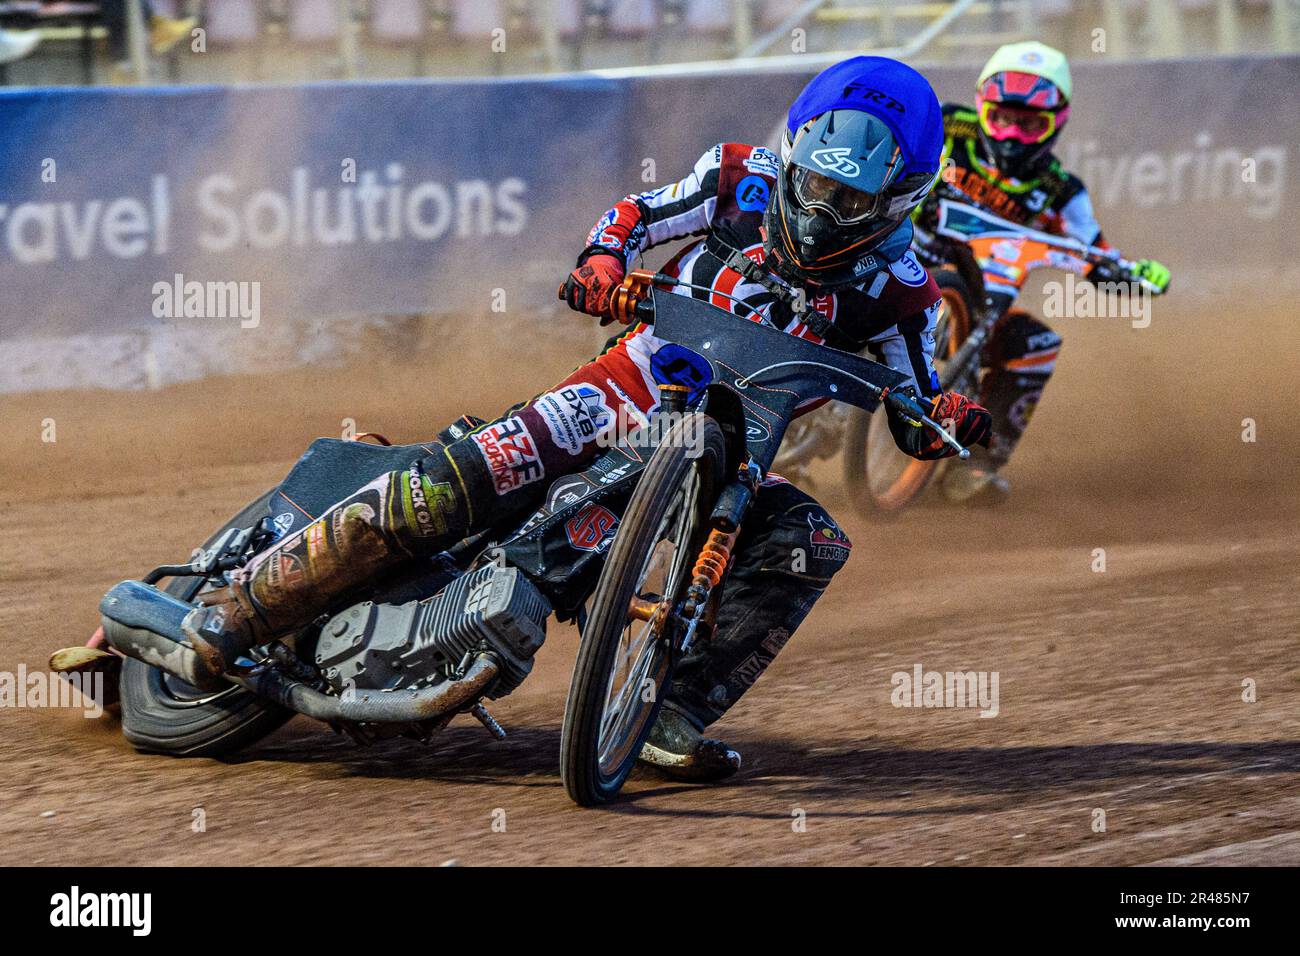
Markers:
point(1119, 691)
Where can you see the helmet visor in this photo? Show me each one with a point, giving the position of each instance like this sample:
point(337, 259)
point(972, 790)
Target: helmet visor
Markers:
point(841, 202)
point(1022, 124)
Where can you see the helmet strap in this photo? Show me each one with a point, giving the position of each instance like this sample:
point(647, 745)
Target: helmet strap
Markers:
point(736, 260)
point(793, 297)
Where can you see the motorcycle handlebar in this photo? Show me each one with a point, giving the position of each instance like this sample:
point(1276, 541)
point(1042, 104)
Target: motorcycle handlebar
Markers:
point(1093, 255)
point(1107, 259)
point(912, 412)
point(631, 302)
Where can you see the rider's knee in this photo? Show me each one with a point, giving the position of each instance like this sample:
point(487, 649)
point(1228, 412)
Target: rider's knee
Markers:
point(817, 546)
point(799, 539)
point(415, 509)
point(1027, 335)
point(460, 428)
point(1023, 344)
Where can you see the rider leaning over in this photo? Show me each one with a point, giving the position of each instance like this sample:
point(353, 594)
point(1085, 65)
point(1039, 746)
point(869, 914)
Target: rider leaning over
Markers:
point(830, 217)
point(999, 156)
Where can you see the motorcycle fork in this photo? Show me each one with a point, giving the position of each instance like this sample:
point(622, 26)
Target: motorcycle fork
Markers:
point(714, 557)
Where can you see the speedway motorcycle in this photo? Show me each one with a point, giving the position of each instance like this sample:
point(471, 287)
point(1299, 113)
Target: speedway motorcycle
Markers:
point(980, 263)
point(635, 549)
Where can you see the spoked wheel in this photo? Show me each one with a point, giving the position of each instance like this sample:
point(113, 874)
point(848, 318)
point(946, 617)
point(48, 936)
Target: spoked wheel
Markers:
point(627, 651)
point(882, 479)
point(163, 714)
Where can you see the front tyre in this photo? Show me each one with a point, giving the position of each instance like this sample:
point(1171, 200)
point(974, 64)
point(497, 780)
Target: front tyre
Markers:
point(163, 714)
point(624, 661)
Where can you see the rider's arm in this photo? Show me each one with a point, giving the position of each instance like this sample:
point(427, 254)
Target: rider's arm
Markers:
point(908, 347)
point(644, 220)
point(1077, 220)
point(1070, 213)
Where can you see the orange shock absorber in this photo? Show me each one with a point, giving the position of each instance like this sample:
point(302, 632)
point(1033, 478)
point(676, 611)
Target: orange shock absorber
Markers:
point(712, 562)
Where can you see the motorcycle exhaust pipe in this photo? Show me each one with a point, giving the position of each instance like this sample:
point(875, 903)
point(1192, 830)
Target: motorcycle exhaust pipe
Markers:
point(145, 623)
point(381, 707)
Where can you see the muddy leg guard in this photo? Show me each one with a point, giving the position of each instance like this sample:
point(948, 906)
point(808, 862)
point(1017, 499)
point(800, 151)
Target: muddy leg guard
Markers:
point(788, 550)
point(398, 516)
point(1021, 356)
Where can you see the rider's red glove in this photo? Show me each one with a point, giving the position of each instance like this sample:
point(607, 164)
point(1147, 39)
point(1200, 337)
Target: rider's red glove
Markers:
point(963, 419)
point(591, 283)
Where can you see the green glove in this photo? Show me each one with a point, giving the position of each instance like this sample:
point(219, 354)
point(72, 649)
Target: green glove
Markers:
point(1152, 272)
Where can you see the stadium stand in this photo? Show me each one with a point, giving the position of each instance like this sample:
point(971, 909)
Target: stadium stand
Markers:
point(288, 40)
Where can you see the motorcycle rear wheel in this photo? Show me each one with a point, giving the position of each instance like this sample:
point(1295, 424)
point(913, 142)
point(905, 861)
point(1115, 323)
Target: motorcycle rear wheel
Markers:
point(881, 479)
point(163, 714)
point(606, 721)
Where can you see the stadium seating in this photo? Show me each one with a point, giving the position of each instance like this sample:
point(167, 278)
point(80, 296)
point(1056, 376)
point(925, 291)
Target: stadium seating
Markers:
point(307, 39)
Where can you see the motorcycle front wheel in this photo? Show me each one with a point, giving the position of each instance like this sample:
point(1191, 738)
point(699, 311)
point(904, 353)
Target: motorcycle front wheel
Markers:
point(625, 660)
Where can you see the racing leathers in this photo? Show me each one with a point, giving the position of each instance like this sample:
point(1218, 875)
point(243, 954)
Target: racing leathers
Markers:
point(890, 311)
point(497, 472)
point(1021, 352)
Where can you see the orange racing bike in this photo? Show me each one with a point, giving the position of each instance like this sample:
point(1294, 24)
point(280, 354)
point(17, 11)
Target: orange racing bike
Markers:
point(980, 263)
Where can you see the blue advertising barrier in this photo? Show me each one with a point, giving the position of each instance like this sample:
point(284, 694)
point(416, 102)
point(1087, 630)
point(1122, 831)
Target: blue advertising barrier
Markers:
point(367, 199)
point(335, 199)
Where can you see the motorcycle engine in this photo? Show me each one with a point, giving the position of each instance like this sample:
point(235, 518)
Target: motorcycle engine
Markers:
point(388, 647)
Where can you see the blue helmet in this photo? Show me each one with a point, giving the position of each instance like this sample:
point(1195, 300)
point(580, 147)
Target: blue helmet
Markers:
point(861, 149)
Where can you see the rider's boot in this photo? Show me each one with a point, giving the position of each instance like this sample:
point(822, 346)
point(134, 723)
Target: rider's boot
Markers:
point(677, 747)
point(787, 552)
point(398, 516)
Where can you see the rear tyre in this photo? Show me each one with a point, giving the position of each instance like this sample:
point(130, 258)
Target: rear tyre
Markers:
point(881, 479)
point(163, 714)
point(624, 664)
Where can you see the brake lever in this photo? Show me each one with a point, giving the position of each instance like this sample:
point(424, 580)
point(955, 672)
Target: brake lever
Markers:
point(914, 414)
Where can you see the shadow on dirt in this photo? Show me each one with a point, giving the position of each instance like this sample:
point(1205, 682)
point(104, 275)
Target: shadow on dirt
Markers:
point(810, 770)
